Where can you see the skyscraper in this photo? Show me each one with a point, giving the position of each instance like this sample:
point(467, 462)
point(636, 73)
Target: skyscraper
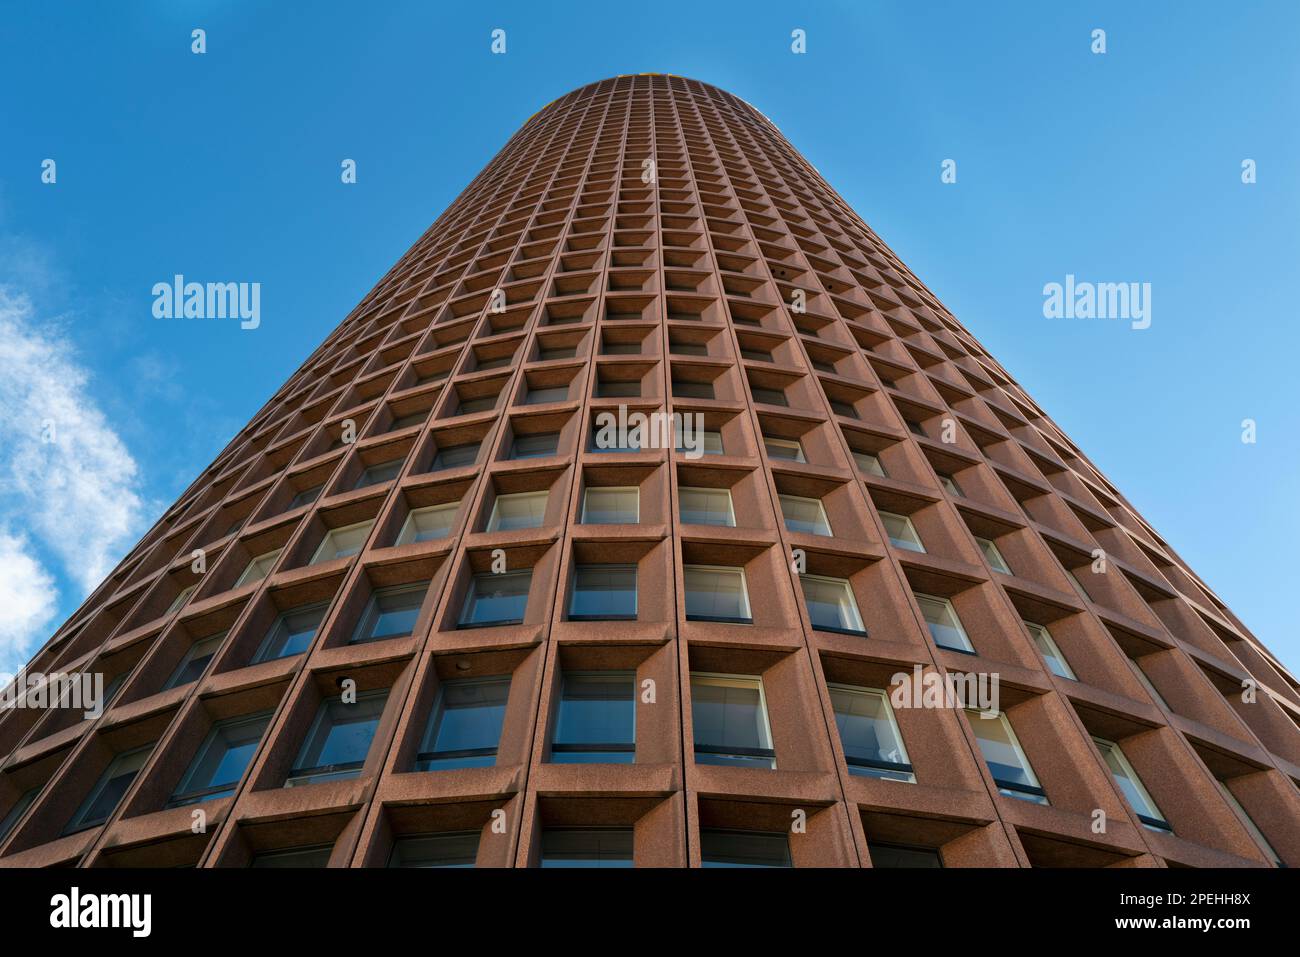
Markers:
point(650, 511)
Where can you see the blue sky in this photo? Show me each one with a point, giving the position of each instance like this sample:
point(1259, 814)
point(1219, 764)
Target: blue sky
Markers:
point(1117, 167)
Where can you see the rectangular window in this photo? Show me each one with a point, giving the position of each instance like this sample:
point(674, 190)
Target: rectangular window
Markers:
point(706, 506)
point(559, 352)
point(108, 791)
point(692, 390)
point(455, 456)
point(15, 813)
point(1051, 653)
point(716, 593)
point(406, 421)
point(831, 606)
point(755, 355)
point(535, 446)
point(901, 532)
point(768, 396)
point(453, 849)
point(615, 440)
point(597, 718)
point(221, 760)
point(258, 568)
point(1231, 798)
point(339, 740)
point(292, 633)
point(730, 717)
point(391, 613)
point(618, 388)
point(195, 661)
point(784, 450)
point(380, 473)
point(496, 599)
point(915, 428)
point(950, 485)
point(945, 626)
point(305, 497)
point(840, 407)
point(181, 597)
point(869, 463)
point(298, 857)
point(342, 542)
point(993, 556)
point(520, 510)
point(872, 743)
point(611, 506)
point(804, 515)
point(586, 847)
point(426, 524)
point(1005, 758)
point(543, 396)
point(725, 848)
point(899, 855)
point(689, 348)
point(464, 727)
point(603, 593)
point(484, 403)
point(1146, 683)
point(1129, 782)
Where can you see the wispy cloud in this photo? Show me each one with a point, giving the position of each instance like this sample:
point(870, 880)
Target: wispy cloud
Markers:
point(68, 484)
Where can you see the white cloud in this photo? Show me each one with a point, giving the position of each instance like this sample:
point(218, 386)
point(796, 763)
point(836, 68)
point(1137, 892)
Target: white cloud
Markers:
point(65, 476)
point(27, 600)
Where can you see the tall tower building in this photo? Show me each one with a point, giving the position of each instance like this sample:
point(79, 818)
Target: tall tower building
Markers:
point(432, 605)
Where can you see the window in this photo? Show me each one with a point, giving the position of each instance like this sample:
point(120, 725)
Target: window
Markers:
point(15, 813)
point(830, 604)
point(406, 421)
point(693, 390)
point(723, 848)
point(870, 464)
point(1146, 683)
point(688, 348)
point(465, 724)
point(716, 593)
point(901, 532)
point(768, 396)
point(587, 847)
point(426, 524)
point(305, 497)
point(258, 568)
point(1246, 819)
point(915, 427)
point(1129, 782)
point(950, 485)
point(558, 352)
point(377, 474)
point(994, 557)
point(221, 760)
point(604, 439)
point(292, 633)
point(391, 613)
point(339, 740)
point(483, 403)
point(1005, 758)
point(706, 506)
point(785, 450)
point(542, 396)
point(342, 542)
point(945, 626)
point(872, 744)
point(707, 441)
point(520, 510)
point(1051, 653)
point(620, 348)
point(535, 446)
point(181, 597)
point(496, 599)
point(315, 856)
point(603, 593)
point(454, 849)
point(900, 855)
point(597, 718)
point(730, 717)
point(756, 355)
point(195, 661)
point(839, 407)
point(804, 515)
point(455, 456)
point(108, 791)
point(611, 506)
point(618, 388)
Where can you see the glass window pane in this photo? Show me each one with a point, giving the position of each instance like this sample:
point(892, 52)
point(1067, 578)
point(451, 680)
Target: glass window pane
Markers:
point(831, 606)
point(109, 789)
point(707, 441)
point(519, 510)
point(1007, 762)
point(383, 472)
point(292, 633)
point(456, 849)
point(339, 739)
point(258, 569)
point(603, 592)
point(715, 594)
point(342, 542)
point(597, 718)
point(786, 450)
point(426, 524)
point(587, 847)
point(894, 855)
point(318, 856)
point(1129, 782)
point(535, 446)
point(706, 506)
point(465, 724)
point(497, 599)
point(196, 660)
point(542, 396)
point(869, 463)
point(804, 515)
point(730, 721)
point(872, 744)
point(1056, 662)
point(720, 848)
point(945, 627)
point(994, 557)
point(391, 612)
point(901, 532)
point(455, 456)
point(611, 506)
point(221, 760)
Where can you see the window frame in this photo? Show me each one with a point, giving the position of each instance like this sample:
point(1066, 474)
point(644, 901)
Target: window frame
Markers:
point(748, 619)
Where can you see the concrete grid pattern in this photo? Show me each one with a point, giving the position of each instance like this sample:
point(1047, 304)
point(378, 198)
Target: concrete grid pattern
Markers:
point(651, 243)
